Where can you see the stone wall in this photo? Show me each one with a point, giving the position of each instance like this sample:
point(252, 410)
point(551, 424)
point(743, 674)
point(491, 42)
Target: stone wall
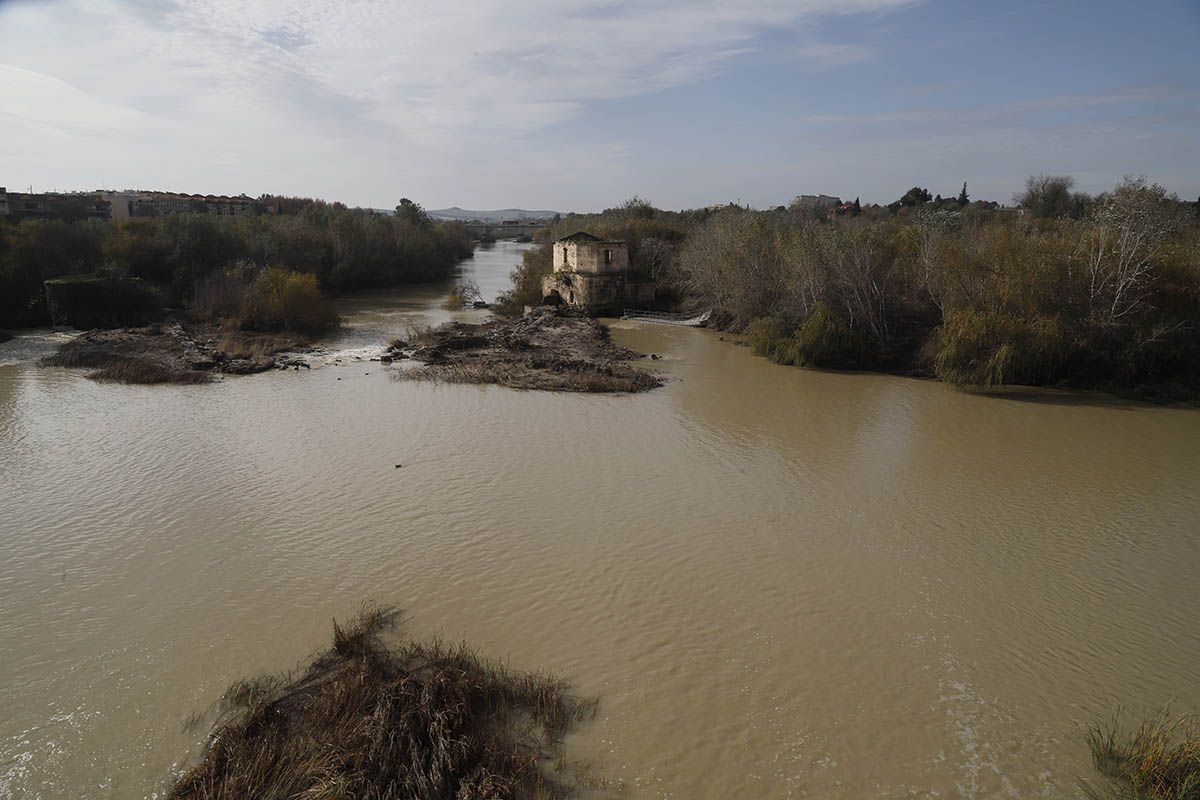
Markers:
point(591, 257)
point(594, 295)
point(597, 295)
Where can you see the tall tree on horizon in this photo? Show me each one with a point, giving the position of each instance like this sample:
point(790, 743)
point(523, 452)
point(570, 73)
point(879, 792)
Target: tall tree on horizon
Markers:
point(963, 197)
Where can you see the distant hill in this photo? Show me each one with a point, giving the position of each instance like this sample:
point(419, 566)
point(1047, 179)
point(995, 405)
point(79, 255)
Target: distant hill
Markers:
point(497, 215)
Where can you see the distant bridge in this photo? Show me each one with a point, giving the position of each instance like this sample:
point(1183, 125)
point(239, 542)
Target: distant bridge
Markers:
point(505, 230)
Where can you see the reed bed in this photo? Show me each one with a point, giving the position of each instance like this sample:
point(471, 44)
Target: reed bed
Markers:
point(1157, 760)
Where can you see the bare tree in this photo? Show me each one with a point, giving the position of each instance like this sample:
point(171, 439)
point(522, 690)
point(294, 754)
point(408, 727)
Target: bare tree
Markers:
point(859, 278)
point(1119, 246)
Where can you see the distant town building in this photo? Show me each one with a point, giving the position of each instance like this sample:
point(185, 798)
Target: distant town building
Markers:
point(162, 204)
point(592, 274)
point(106, 204)
point(23, 204)
point(817, 200)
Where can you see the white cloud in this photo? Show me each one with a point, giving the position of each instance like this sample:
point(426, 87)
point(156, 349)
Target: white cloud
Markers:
point(308, 95)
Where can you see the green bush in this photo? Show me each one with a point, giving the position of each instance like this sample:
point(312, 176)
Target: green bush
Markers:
point(767, 335)
point(527, 281)
point(992, 348)
point(824, 340)
point(280, 299)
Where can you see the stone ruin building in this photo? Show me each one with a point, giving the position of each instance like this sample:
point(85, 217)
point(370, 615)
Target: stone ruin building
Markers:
point(592, 275)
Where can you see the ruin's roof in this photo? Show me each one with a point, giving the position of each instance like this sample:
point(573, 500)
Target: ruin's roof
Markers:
point(584, 236)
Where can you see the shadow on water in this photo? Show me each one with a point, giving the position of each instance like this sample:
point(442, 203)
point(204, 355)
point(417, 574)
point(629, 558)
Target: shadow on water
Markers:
point(1074, 399)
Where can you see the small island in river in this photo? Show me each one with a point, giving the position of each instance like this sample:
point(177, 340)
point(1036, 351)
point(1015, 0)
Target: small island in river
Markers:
point(548, 348)
point(175, 352)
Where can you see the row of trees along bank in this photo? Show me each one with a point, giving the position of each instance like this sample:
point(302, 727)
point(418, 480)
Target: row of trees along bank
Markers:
point(1064, 290)
point(341, 249)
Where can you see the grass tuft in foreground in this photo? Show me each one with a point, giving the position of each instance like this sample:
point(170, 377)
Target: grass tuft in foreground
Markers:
point(368, 720)
point(1158, 760)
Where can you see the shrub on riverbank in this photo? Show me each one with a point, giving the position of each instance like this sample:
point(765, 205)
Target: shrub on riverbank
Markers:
point(281, 299)
point(527, 282)
point(1158, 760)
point(366, 719)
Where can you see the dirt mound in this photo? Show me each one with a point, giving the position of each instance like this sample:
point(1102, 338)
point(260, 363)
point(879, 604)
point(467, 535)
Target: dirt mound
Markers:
point(172, 353)
point(546, 349)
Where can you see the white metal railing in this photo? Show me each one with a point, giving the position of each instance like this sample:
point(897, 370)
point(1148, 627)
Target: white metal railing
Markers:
point(666, 318)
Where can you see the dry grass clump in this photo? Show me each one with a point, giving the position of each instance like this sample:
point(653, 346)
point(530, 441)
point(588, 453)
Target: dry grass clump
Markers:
point(252, 345)
point(366, 720)
point(1159, 760)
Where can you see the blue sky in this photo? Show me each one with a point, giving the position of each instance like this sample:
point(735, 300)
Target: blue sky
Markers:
point(578, 104)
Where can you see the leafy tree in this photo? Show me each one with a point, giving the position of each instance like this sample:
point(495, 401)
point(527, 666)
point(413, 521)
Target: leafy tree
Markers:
point(412, 213)
point(915, 196)
point(638, 208)
point(1051, 196)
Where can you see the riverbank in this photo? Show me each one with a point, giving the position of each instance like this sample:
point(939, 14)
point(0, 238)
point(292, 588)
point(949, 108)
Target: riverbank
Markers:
point(546, 349)
point(175, 352)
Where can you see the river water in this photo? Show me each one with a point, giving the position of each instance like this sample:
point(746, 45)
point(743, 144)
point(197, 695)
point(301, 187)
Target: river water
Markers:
point(779, 582)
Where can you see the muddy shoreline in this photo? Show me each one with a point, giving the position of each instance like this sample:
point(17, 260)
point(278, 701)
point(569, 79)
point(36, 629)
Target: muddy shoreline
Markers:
point(547, 349)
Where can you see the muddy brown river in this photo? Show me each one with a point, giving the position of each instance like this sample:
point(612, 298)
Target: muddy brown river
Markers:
point(779, 582)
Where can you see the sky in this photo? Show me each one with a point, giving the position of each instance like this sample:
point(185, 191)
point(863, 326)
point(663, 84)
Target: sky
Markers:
point(580, 104)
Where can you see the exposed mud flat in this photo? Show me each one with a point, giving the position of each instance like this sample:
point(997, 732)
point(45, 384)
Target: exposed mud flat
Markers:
point(547, 349)
point(175, 352)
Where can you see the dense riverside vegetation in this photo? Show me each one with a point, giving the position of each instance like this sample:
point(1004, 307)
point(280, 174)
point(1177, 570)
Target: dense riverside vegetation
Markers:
point(342, 249)
point(1064, 290)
